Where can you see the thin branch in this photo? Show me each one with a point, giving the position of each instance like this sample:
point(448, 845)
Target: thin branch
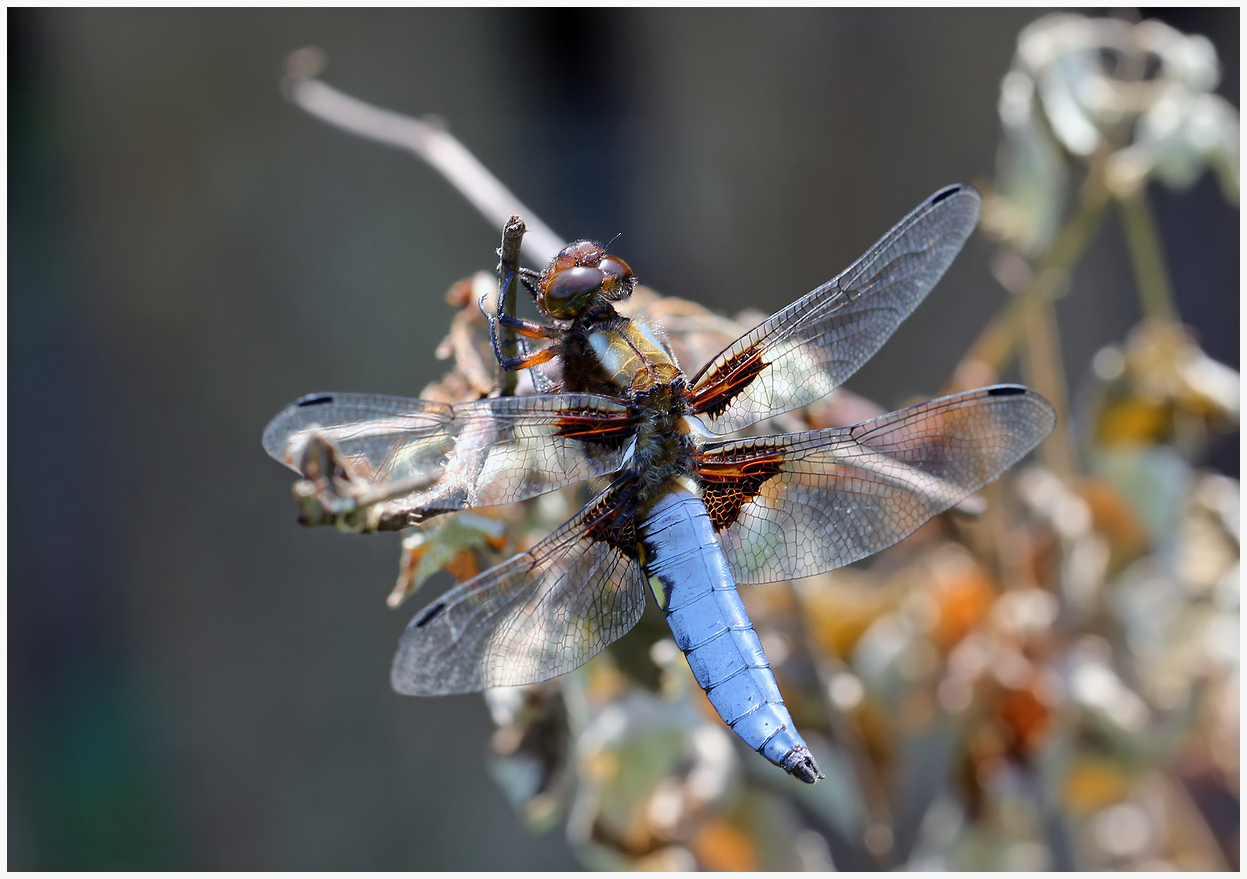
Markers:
point(428, 140)
point(995, 345)
point(508, 270)
point(1027, 325)
point(1040, 358)
point(844, 732)
point(1148, 257)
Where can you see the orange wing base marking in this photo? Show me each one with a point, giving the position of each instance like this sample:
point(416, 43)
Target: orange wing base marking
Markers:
point(728, 485)
point(727, 381)
point(611, 522)
point(594, 428)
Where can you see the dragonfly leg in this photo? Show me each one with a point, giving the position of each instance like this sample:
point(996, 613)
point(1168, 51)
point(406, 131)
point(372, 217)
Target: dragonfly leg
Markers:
point(510, 349)
point(527, 361)
point(529, 329)
point(529, 279)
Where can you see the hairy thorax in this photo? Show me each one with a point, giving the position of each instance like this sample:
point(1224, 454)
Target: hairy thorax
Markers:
point(605, 353)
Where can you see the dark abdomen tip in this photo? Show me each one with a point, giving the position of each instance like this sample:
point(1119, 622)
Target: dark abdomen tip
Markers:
point(807, 771)
point(800, 763)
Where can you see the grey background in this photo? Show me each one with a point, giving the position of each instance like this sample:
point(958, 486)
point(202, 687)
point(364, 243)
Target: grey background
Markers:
point(196, 682)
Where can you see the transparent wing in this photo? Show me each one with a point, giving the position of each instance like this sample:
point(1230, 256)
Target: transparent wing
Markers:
point(481, 453)
point(802, 353)
point(380, 438)
point(800, 504)
point(538, 615)
point(508, 449)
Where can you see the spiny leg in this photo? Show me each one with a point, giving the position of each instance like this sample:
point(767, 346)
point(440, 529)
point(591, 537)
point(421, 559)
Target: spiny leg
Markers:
point(529, 329)
point(510, 349)
point(528, 361)
point(530, 278)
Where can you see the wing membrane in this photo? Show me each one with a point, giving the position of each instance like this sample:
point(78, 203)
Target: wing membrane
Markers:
point(508, 449)
point(800, 504)
point(482, 453)
point(540, 614)
point(802, 353)
point(382, 439)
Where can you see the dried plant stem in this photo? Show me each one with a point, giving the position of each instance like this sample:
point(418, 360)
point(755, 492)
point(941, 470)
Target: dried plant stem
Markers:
point(1028, 325)
point(428, 140)
point(995, 345)
point(508, 271)
point(872, 787)
point(1040, 356)
point(1148, 257)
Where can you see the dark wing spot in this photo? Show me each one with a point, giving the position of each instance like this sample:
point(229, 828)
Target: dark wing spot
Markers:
point(315, 400)
point(946, 192)
point(611, 521)
point(720, 387)
point(728, 485)
point(425, 618)
point(1006, 391)
point(611, 431)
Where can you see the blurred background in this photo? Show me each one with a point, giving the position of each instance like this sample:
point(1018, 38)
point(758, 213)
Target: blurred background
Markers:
point(196, 682)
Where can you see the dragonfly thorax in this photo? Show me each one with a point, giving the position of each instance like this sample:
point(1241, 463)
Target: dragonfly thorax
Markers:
point(606, 353)
point(665, 449)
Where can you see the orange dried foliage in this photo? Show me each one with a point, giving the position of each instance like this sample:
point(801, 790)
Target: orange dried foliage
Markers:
point(604, 680)
point(840, 610)
point(1093, 784)
point(719, 845)
point(1037, 554)
point(1024, 719)
point(460, 294)
point(601, 767)
point(876, 728)
point(463, 566)
point(964, 596)
point(1115, 520)
point(1132, 421)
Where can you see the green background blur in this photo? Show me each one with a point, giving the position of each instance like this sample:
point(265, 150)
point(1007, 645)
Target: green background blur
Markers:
point(195, 681)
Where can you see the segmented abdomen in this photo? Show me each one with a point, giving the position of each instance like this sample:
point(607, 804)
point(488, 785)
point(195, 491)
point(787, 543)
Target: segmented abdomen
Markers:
point(690, 578)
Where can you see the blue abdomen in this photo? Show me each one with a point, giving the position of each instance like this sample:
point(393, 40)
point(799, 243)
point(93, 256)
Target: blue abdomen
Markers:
point(690, 578)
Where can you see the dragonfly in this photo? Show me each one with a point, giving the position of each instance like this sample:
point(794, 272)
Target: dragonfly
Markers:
point(685, 512)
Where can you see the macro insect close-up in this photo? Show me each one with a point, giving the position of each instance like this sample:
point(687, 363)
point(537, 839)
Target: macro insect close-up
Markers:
point(686, 513)
point(610, 546)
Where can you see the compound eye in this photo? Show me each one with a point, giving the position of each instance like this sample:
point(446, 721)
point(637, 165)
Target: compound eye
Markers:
point(615, 268)
point(568, 290)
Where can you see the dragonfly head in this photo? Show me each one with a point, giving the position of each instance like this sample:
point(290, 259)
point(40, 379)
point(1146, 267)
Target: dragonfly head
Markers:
point(582, 272)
